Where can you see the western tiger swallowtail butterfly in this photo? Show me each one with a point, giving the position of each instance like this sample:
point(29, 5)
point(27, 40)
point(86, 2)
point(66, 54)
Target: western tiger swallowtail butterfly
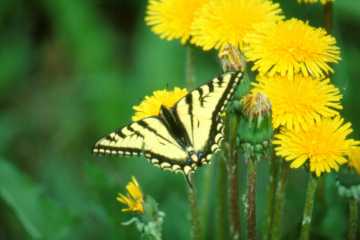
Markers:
point(183, 137)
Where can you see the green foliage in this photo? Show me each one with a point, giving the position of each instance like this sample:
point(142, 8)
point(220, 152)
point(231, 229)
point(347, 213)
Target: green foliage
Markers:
point(42, 217)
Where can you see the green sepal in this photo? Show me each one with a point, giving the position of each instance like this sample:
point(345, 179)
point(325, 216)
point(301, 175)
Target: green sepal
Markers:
point(256, 130)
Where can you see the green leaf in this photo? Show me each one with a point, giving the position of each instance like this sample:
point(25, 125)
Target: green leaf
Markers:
point(41, 217)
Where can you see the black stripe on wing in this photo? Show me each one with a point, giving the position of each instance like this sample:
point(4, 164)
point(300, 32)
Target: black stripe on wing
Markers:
point(148, 127)
point(189, 101)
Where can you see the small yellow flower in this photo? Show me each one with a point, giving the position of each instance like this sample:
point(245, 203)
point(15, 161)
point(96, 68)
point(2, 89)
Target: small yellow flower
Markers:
point(354, 159)
point(221, 22)
point(291, 47)
point(133, 199)
point(150, 106)
point(172, 19)
point(324, 145)
point(314, 1)
point(299, 101)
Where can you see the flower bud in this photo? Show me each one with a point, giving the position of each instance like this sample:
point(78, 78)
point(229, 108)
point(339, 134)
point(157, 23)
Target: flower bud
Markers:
point(231, 59)
point(255, 125)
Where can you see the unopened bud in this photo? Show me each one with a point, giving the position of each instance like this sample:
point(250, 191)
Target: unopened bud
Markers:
point(256, 125)
point(231, 59)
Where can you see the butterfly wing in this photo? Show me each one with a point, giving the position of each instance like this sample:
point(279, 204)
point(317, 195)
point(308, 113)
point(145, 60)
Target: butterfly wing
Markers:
point(200, 112)
point(148, 137)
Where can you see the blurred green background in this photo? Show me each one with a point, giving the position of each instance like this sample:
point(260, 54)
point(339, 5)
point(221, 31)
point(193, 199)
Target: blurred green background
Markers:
point(70, 72)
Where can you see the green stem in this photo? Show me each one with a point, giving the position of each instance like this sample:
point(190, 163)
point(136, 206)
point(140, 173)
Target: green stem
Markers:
point(309, 206)
point(328, 13)
point(233, 176)
point(221, 201)
point(195, 220)
point(251, 197)
point(206, 195)
point(270, 197)
point(279, 201)
point(353, 219)
point(189, 68)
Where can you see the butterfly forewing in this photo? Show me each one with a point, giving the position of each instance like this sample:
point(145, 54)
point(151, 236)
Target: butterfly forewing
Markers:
point(200, 110)
point(147, 137)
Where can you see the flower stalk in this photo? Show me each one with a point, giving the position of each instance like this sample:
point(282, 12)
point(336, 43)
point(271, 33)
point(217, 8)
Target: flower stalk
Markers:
point(309, 206)
point(279, 201)
point(206, 196)
point(251, 192)
point(195, 219)
point(270, 197)
point(221, 201)
point(353, 218)
point(233, 178)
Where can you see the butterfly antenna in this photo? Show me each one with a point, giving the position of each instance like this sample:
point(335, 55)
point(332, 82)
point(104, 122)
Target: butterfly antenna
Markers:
point(188, 180)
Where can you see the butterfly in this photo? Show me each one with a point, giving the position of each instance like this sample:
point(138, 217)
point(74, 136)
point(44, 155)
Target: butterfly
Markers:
point(183, 137)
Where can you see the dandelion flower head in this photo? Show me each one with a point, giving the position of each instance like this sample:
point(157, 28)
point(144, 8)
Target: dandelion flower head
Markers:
point(150, 106)
point(323, 145)
point(299, 101)
point(221, 22)
point(172, 19)
point(133, 199)
point(292, 47)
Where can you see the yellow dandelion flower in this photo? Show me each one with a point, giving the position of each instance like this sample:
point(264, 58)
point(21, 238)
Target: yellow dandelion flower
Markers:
point(315, 1)
point(134, 199)
point(172, 19)
point(354, 159)
point(150, 106)
point(324, 145)
point(291, 47)
point(299, 101)
point(221, 22)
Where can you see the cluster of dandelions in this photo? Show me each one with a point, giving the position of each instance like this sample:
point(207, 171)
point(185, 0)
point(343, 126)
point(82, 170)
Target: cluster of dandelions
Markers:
point(292, 60)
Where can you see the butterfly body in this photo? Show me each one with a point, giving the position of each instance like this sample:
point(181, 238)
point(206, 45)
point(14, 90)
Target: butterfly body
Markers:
point(183, 137)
